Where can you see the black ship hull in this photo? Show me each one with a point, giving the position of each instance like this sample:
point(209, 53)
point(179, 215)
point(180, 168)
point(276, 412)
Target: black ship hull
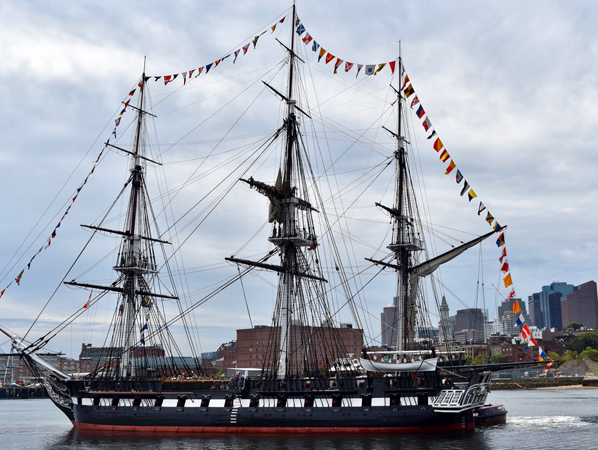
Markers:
point(368, 405)
point(411, 419)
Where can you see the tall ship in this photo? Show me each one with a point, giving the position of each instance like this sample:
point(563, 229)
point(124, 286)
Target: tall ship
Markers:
point(306, 376)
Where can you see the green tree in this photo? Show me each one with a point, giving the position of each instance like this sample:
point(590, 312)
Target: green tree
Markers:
point(569, 355)
point(554, 356)
point(583, 341)
point(591, 353)
point(574, 326)
point(480, 359)
point(499, 358)
point(466, 360)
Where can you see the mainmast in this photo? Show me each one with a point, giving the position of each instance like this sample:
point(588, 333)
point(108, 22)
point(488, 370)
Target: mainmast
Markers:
point(293, 231)
point(132, 254)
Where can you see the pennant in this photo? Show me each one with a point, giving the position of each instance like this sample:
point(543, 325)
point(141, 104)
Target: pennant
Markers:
point(408, 90)
point(497, 227)
point(427, 124)
point(471, 195)
point(19, 277)
point(541, 355)
point(117, 121)
point(315, 46)
point(481, 208)
point(184, 78)
point(489, 218)
point(359, 66)
point(142, 341)
point(512, 294)
point(237, 54)
point(216, 63)
point(337, 64)
point(208, 67)
point(246, 48)
point(392, 67)
point(444, 156)
point(432, 135)
point(329, 57)
point(369, 69)
point(348, 66)
point(520, 319)
point(322, 53)
point(307, 39)
point(300, 29)
point(465, 187)
point(132, 92)
point(458, 176)
point(505, 267)
point(500, 241)
point(532, 341)
point(282, 20)
point(191, 73)
point(450, 167)
point(420, 113)
point(254, 42)
point(509, 282)
point(87, 304)
point(157, 78)
point(380, 67)
point(2, 293)
point(525, 332)
point(143, 328)
point(405, 83)
point(167, 79)
point(437, 143)
point(49, 242)
point(414, 102)
point(273, 27)
point(504, 254)
point(174, 76)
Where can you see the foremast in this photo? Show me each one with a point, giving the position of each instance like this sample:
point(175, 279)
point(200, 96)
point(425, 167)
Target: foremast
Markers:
point(136, 265)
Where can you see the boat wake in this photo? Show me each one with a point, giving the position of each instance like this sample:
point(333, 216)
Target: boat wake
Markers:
point(547, 422)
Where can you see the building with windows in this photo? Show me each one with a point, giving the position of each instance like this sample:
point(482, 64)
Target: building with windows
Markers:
point(551, 308)
point(581, 306)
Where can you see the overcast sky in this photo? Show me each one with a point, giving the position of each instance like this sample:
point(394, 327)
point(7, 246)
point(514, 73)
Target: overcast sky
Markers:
point(510, 87)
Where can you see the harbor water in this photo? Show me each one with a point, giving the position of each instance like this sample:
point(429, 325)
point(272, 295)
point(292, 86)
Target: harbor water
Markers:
point(560, 418)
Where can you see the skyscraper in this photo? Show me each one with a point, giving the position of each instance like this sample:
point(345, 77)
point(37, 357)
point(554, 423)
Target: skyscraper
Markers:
point(547, 314)
point(388, 323)
point(507, 319)
point(470, 322)
point(535, 312)
point(581, 306)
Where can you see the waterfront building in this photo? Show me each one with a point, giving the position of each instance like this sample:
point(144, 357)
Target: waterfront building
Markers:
point(254, 344)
